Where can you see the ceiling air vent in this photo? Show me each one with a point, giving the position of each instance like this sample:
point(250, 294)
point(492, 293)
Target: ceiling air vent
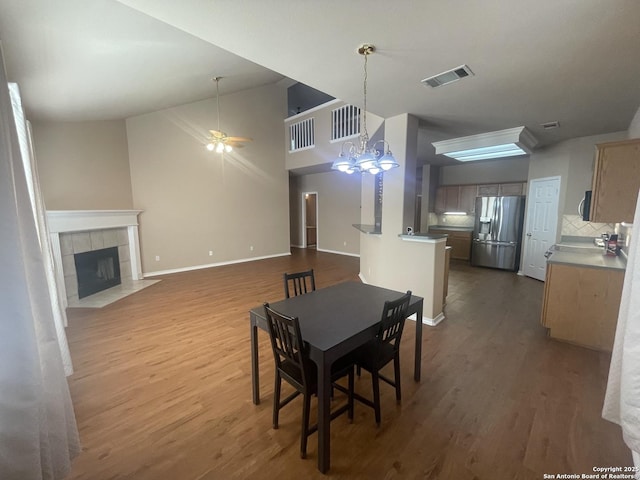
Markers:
point(449, 76)
point(550, 125)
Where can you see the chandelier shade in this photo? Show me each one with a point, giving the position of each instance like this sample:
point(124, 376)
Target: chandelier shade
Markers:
point(362, 157)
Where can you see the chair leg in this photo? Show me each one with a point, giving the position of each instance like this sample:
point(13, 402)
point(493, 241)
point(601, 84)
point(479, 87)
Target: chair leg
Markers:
point(276, 400)
point(376, 395)
point(304, 435)
point(350, 398)
point(396, 373)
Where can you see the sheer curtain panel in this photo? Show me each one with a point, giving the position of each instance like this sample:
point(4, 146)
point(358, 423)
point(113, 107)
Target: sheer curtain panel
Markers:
point(38, 434)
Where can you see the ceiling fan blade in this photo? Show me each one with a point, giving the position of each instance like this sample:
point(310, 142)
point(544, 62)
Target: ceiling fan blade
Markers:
point(239, 139)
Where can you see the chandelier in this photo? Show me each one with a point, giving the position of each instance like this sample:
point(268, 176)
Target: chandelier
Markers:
point(360, 156)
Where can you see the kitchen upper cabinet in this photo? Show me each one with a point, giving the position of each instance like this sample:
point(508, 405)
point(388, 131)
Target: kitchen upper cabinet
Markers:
point(462, 198)
point(512, 188)
point(447, 199)
point(580, 304)
point(490, 190)
point(616, 180)
point(468, 194)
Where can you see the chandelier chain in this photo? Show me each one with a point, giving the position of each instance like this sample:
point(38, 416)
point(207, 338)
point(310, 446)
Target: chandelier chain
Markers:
point(366, 55)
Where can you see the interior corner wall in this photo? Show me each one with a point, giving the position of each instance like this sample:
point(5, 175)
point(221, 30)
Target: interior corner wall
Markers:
point(338, 209)
point(634, 126)
point(83, 165)
point(234, 205)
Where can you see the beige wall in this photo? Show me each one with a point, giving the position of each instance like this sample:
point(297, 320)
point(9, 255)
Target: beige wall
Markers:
point(338, 209)
point(83, 165)
point(487, 171)
point(196, 201)
point(634, 127)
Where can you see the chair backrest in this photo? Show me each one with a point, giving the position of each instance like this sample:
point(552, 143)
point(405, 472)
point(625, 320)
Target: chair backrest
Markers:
point(301, 283)
point(288, 346)
point(394, 314)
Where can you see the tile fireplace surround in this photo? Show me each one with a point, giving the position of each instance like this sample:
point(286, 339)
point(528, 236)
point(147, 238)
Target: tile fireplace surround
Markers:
point(78, 231)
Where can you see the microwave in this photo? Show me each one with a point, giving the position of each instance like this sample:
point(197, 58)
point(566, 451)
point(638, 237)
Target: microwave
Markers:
point(585, 206)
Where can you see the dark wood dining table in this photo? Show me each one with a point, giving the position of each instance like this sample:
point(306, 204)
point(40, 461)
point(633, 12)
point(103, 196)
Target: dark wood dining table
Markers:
point(333, 321)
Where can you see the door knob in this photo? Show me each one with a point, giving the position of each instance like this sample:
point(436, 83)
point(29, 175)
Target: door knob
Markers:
point(528, 234)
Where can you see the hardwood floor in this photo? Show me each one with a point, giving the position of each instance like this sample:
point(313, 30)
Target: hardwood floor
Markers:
point(162, 388)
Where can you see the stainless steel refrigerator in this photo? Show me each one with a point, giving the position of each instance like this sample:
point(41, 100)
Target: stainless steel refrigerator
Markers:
point(497, 232)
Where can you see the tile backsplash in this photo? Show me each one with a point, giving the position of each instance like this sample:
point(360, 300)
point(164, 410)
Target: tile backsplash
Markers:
point(452, 220)
point(573, 225)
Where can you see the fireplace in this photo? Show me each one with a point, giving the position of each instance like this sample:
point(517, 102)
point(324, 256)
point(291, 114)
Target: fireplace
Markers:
point(74, 232)
point(97, 270)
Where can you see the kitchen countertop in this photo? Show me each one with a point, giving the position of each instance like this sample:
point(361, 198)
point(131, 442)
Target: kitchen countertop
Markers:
point(588, 258)
point(452, 228)
point(424, 237)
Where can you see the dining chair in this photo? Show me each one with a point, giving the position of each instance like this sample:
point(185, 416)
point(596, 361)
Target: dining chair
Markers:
point(293, 365)
point(300, 282)
point(377, 353)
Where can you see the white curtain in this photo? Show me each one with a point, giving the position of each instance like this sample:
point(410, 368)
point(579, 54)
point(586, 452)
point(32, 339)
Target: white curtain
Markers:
point(622, 399)
point(38, 434)
point(23, 129)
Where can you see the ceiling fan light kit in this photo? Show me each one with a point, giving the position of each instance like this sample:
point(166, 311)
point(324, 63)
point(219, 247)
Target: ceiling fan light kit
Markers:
point(218, 140)
point(361, 157)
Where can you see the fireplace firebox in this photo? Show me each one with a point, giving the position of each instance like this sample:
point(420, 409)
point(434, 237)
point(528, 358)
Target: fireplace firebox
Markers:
point(97, 270)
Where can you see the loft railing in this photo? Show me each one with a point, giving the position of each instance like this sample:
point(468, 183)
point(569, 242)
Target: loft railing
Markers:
point(302, 135)
point(345, 122)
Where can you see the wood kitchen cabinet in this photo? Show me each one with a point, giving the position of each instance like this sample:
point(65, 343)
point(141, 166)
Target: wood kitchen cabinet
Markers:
point(580, 304)
point(513, 188)
point(489, 190)
point(447, 199)
point(616, 181)
point(462, 198)
point(467, 199)
point(458, 240)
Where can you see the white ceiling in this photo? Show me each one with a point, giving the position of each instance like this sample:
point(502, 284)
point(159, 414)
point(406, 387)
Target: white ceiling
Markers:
point(572, 61)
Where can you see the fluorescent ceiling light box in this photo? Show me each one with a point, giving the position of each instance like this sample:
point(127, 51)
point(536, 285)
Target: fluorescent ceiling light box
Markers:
point(503, 143)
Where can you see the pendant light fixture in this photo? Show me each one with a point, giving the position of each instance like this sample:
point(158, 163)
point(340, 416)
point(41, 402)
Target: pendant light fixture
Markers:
point(218, 140)
point(361, 157)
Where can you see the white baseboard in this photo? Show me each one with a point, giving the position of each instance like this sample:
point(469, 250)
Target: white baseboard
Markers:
point(362, 279)
point(338, 253)
point(210, 265)
point(432, 322)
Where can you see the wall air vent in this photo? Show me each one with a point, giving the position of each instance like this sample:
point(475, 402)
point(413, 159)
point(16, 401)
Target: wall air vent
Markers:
point(550, 125)
point(449, 76)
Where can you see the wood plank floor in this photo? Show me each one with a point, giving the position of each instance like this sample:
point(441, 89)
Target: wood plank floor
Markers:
point(162, 388)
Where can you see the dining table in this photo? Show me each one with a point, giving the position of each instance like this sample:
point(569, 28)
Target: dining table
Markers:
point(334, 321)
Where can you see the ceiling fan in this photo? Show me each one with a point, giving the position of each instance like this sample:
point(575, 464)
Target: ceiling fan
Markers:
point(218, 140)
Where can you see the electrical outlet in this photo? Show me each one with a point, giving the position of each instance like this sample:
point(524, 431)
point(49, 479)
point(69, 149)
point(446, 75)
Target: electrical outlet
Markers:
point(345, 244)
point(157, 258)
point(251, 248)
point(211, 253)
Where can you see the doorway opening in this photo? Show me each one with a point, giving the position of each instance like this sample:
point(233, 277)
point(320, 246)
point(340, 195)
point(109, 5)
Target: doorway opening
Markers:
point(309, 219)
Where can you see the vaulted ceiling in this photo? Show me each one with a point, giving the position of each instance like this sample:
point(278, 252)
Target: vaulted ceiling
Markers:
point(571, 61)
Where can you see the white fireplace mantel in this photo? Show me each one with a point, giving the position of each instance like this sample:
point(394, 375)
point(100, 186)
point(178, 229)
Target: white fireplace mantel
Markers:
point(81, 220)
point(63, 221)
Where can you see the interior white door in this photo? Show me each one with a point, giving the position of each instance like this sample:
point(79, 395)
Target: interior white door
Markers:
point(541, 224)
